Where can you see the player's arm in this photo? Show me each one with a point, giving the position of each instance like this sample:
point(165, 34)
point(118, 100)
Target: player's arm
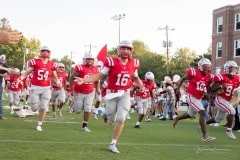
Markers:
point(25, 74)
point(98, 89)
point(139, 83)
point(71, 79)
point(180, 82)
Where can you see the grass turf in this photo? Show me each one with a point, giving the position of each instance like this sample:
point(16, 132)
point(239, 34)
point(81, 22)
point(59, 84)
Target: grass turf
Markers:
point(62, 139)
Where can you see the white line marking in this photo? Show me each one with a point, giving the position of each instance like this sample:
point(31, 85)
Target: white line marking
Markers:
point(124, 144)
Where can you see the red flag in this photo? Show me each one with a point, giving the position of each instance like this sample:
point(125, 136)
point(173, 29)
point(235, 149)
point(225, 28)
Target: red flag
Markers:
point(102, 54)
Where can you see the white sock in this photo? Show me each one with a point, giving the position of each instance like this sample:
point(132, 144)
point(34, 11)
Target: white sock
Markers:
point(114, 141)
point(40, 123)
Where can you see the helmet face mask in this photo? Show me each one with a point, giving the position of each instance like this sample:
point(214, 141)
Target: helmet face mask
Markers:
point(125, 49)
point(149, 77)
point(88, 59)
point(207, 68)
point(61, 67)
point(125, 52)
point(45, 52)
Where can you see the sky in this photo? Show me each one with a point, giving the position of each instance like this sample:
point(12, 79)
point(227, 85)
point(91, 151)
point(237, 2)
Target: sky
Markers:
point(70, 27)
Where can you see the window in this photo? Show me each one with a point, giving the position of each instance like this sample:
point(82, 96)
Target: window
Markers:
point(237, 48)
point(237, 21)
point(219, 24)
point(219, 50)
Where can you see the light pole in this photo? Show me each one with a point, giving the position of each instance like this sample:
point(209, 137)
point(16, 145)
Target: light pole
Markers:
point(24, 57)
point(167, 43)
point(118, 18)
point(90, 47)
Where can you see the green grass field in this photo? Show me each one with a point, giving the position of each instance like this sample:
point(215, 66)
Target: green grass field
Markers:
point(62, 139)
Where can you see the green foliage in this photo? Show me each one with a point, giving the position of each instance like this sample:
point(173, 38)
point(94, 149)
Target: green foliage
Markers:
point(68, 64)
point(149, 61)
point(15, 53)
point(181, 60)
point(24, 50)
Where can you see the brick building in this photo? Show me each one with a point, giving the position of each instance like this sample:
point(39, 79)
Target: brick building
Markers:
point(225, 36)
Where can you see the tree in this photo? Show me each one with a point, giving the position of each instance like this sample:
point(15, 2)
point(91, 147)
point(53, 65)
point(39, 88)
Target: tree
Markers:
point(19, 53)
point(68, 64)
point(4, 23)
point(149, 61)
point(182, 60)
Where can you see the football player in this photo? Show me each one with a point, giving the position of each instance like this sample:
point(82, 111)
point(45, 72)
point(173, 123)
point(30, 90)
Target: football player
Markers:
point(121, 71)
point(144, 99)
point(58, 91)
point(224, 84)
point(43, 70)
point(85, 92)
point(199, 81)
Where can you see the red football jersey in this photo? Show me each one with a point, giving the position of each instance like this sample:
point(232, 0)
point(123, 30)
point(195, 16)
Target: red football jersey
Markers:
point(25, 83)
point(230, 84)
point(120, 75)
point(198, 82)
point(14, 83)
point(62, 77)
point(84, 72)
point(148, 90)
point(68, 88)
point(42, 73)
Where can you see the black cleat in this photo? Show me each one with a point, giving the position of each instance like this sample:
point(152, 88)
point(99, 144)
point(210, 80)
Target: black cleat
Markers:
point(137, 126)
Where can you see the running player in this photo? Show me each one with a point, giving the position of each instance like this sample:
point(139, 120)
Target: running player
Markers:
point(199, 81)
point(43, 70)
point(121, 71)
point(225, 83)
